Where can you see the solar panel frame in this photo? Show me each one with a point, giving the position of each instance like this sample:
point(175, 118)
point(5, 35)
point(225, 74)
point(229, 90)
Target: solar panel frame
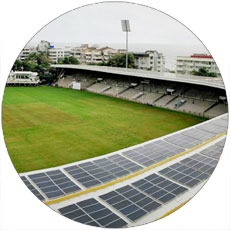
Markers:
point(32, 188)
point(92, 212)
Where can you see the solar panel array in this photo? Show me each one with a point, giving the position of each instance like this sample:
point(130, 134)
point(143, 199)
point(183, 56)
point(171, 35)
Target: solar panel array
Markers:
point(153, 153)
point(159, 188)
point(57, 183)
point(198, 134)
point(183, 141)
point(190, 171)
point(103, 170)
point(212, 128)
point(213, 151)
point(221, 143)
point(54, 183)
point(32, 188)
point(219, 122)
point(130, 202)
point(92, 212)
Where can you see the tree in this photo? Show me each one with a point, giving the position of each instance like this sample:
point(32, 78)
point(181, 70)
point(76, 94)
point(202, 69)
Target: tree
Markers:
point(37, 62)
point(203, 72)
point(18, 65)
point(119, 60)
point(68, 60)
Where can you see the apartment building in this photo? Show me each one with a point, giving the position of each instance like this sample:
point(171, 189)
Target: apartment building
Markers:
point(43, 46)
point(188, 64)
point(26, 52)
point(55, 54)
point(149, 60)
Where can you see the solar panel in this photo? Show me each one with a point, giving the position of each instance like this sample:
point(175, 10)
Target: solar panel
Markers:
point(190, 171)
point(153, 153)
point(209, 127)
point(82, 176)
point(221, 143)
point(220, 122)
point(125, 163)
point(213, 151)
point(164, 148)
point(54, 183)
point(130, 202)
point(159, 188)
point(183, 141)
point(198, 134)
point(97, 172)
point(102, 170)
point(32, 188)
point(92, 212)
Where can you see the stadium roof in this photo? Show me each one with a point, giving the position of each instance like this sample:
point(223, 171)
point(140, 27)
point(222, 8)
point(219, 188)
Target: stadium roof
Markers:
point(126, 192)
point(216, 82)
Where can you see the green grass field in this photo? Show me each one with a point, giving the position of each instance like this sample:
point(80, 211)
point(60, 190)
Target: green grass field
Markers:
point(46, 127)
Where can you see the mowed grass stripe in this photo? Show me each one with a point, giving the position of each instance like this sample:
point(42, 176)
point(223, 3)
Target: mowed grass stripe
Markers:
point(47, 127)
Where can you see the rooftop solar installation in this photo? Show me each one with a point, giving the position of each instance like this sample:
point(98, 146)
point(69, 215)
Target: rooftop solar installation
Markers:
point(103, 170)
point(137, 198)
point(54, 183)
point(190, 171)
point(159, 188)
point(92, 212)
point(213, 151)
point(212, 128)
point(198, 134)
point(153, 153)
point(183, 141)
point(130, 202)
point(219, 122)
point(221, 143)
point(32, 188)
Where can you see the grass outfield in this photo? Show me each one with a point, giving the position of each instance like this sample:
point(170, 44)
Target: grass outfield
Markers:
point(46, 127)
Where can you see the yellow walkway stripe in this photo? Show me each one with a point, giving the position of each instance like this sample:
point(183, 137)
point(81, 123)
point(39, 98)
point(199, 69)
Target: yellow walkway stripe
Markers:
point(174, 209)
point(132, 175)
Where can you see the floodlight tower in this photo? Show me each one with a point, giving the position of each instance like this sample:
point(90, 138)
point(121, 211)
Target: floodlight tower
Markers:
point(126, 28)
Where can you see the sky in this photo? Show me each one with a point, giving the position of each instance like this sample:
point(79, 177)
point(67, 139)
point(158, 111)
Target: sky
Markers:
point(101, 24)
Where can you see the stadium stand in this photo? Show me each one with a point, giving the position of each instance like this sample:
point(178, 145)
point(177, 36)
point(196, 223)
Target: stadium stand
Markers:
point(199, 99)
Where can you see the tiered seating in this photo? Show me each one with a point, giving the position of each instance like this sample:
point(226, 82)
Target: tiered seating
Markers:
point(216, 110)
point(163, 101)
point(114, 91)
point(191, 106)
point(65, 81)
point(149, 98)
point(97, 87)
point(199, 100)
point(129, 94)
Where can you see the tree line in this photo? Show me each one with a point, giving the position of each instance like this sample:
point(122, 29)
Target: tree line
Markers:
point(41, 63)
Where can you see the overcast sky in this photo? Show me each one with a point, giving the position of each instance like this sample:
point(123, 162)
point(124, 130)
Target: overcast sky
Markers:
point(101, 23)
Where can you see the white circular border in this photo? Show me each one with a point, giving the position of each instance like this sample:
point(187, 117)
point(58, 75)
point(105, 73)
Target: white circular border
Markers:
point(20, 20)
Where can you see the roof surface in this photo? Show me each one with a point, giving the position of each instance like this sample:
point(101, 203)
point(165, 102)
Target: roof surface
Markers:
point(216, 82)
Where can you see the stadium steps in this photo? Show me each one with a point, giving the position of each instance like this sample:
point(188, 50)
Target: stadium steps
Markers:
point(105, 89)
point(172, 99)
point(140, 94)
point(157, 99)
point(90, 84)
point(210, 107)
point(123, 91)
point(216, 110)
